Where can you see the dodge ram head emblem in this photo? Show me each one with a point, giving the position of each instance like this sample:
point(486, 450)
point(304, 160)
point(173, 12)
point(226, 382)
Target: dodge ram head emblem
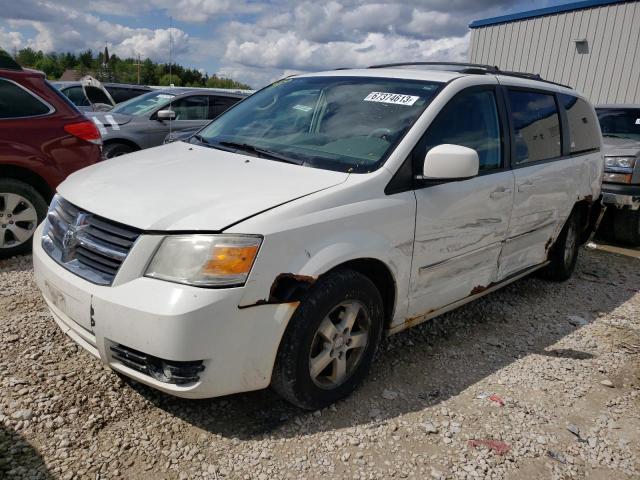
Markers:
point(70, 239)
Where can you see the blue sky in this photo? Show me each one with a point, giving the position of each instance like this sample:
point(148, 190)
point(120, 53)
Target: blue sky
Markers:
point(255, 41)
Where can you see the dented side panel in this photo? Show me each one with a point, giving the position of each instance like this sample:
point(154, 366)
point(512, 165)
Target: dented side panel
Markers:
point(460, 227)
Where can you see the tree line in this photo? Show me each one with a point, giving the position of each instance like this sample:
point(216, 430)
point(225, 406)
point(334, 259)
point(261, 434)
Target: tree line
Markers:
point(122, 70)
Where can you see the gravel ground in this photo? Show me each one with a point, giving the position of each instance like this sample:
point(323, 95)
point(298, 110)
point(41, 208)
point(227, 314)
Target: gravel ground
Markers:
point(538, 380)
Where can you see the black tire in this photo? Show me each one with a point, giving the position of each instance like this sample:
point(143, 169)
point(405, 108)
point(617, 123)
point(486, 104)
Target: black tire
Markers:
point(564, 252)
point(292, 377)
point(9, 244)
point(115, 149)
point(626, 227)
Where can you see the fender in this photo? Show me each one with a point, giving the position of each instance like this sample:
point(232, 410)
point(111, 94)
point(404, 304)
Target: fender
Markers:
point(286, 268)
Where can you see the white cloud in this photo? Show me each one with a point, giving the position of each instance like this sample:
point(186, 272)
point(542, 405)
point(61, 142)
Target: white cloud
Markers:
point(251, 40)
point(10, 40)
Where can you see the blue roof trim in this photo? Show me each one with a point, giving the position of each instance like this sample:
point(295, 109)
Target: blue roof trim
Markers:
point(540, 12)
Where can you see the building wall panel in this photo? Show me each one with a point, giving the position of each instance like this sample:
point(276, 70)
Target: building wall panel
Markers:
point(608, 73)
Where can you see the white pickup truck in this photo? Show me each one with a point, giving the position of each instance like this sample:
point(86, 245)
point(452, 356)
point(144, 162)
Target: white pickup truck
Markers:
point(282, 241)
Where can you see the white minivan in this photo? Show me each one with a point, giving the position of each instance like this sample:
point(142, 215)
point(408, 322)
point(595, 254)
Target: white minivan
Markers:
point(282, 241)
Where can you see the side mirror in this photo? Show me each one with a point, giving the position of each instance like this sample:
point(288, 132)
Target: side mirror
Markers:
point(166, 115)
point(450, 162)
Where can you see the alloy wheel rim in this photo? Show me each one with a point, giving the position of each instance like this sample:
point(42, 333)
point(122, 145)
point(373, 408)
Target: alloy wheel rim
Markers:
point(339, 344)
point(18, 220)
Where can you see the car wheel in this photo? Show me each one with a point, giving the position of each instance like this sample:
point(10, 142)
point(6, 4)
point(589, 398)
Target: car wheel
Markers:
point(22, 209)
point(330, 341)
point(564, 252)
point(626, 227)
point(111, 150)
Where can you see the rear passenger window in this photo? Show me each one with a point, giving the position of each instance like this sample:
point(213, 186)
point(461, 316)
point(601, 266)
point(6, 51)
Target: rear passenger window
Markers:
point(471, 120)
point(536, 124)
point(16, 102)
point(584, 132)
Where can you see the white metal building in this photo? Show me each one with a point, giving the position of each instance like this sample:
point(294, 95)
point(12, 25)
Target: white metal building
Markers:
point(592, 46)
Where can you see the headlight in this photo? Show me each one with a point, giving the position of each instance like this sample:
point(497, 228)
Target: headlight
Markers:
point(619, 164)
point(205, 260)
point(616, 177)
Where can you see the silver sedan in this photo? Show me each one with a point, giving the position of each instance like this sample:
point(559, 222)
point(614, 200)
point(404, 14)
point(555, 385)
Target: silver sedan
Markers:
point(145, 121)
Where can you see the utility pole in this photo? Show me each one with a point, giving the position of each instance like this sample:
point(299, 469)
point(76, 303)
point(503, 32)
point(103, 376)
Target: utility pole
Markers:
point(138, 65)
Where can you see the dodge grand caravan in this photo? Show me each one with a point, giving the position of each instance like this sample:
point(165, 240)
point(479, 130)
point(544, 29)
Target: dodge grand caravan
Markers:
point(283, 240)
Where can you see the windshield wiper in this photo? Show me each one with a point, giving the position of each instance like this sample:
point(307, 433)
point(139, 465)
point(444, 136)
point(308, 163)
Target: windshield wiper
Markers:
point(201, 139)
point(260, 152)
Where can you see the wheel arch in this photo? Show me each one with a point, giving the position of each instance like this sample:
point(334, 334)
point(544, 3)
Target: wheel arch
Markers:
point(27, 176)
point(288, 288)
point(124, 141)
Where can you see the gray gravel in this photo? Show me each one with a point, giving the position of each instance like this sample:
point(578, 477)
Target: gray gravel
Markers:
point(539, 380)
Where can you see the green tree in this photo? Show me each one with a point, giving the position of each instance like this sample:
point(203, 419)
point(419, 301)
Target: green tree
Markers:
point(27, 57)
point(167, 80)
point(215, 81)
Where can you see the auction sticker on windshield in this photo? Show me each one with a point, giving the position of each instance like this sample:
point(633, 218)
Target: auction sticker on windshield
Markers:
point(394, 98)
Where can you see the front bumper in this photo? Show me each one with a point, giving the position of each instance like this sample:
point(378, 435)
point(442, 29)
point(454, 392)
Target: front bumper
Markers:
point(621, 196)
point(170, 321)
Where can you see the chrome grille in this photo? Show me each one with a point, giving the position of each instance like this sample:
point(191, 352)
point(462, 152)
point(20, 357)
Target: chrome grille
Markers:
point(90, 246)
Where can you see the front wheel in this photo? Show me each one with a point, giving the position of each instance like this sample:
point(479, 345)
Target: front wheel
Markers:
point(564, 252)
point(22, 208)
point(330, 341)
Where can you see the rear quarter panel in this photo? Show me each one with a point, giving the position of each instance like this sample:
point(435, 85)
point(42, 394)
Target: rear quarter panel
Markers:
point(40, 144)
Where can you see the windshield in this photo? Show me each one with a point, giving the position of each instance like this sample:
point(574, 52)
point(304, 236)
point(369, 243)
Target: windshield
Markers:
point(348, 124)
point(620, 122)
point(143, 104)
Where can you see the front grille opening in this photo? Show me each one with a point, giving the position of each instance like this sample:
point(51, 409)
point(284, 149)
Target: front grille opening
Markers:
point(166, 371)
point(86, 244)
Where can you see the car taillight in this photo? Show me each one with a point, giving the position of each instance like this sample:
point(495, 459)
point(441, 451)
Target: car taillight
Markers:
point(86, 130)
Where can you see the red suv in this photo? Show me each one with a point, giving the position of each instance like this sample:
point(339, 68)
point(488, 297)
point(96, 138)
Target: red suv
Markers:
point(43, 139)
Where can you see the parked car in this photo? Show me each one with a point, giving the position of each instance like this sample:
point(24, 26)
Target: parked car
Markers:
point(90, 95)
point(327, 209)
point(43, 138)
point(145, 121)
point(621, 184)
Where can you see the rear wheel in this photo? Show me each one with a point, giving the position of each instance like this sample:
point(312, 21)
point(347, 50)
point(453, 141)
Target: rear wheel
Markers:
point(111, 150)
point(564, 252)
point(626, 227)
point(22, 208)
point(330, 342)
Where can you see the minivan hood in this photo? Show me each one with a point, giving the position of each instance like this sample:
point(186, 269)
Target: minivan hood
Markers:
point(188, 187)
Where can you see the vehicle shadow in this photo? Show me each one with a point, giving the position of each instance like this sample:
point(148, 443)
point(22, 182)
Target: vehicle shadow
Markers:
point(19, 459)
point(438, 359)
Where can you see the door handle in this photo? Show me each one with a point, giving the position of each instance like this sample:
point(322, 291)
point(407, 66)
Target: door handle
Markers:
point(525, 186)
point(500, 192)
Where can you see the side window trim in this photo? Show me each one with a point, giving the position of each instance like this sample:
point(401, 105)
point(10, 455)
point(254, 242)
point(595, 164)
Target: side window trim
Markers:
point(37, 97)
point(512, 133)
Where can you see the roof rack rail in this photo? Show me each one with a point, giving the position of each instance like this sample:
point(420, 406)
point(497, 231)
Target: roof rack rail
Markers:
point(473, 68)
